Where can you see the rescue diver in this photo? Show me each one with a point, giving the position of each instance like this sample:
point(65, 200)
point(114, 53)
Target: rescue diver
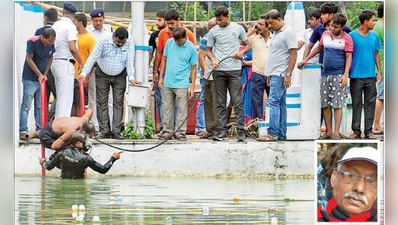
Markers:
point(74, 160)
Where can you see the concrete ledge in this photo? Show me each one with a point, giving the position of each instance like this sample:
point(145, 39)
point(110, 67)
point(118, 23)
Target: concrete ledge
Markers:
point(287, 159)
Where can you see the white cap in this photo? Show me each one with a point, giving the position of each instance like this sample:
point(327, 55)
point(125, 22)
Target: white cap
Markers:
point(367, 153)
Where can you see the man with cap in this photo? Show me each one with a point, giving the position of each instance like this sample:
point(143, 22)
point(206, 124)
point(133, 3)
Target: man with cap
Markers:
point(354, 184)
point(66, 54)
point(98, 29)
point(74, 160)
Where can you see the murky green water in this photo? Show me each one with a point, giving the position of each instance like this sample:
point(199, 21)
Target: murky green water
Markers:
point(129, 200)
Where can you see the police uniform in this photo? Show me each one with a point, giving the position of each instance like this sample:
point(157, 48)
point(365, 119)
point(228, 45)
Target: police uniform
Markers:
point(106, 31)
point(62, 66)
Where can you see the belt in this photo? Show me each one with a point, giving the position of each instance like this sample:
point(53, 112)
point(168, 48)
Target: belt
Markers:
point(65, 59)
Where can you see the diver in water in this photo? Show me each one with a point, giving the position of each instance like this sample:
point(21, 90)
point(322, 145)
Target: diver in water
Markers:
point(74, 160)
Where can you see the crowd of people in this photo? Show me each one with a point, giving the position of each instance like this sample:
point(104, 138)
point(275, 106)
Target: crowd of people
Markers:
point(68, 49)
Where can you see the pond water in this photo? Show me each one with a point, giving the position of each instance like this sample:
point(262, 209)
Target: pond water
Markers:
point(131, 200)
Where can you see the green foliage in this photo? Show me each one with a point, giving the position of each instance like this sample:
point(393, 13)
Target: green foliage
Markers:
point(129, 132)
point(149, 130)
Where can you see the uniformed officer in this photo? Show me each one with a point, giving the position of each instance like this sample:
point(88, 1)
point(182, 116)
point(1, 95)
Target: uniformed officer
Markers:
point(65, 55)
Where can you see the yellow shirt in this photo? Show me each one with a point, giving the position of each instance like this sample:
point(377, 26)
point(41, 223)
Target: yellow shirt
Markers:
point(260, 53)
point(85, 43)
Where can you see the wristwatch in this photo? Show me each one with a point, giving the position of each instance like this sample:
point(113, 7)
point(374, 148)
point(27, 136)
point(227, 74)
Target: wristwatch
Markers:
point(288, 74)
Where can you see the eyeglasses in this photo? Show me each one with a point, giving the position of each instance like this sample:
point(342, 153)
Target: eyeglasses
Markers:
point(353, 178)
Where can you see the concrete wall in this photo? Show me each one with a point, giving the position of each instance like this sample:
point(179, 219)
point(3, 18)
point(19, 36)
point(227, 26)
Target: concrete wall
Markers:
point(194, 159)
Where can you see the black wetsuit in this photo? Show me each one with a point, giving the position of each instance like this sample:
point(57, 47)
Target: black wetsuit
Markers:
point(74, 161)
point(47, 135)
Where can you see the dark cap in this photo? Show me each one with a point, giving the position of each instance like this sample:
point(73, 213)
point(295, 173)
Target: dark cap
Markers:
point(70, 7)
point(97, 13)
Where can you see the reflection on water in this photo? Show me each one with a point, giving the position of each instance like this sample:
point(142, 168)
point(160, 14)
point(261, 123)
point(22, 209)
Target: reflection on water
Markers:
point(129, 200)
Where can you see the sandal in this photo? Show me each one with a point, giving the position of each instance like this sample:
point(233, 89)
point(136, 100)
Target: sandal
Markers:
point(370, 136)
point(325, 136)
point(354, 136)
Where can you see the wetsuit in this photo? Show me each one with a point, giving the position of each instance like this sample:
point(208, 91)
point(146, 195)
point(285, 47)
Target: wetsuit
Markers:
point(74, 161)
point(47, 135)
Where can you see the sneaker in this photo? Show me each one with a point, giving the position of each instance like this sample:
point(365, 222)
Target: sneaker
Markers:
point(117, 136)
point(102, 135)
point(220, 136)
point(241, 136)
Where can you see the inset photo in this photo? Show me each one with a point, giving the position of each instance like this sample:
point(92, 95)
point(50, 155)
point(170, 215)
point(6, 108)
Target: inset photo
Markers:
point(347, 182)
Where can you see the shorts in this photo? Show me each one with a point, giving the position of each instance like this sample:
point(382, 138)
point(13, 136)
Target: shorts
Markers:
point(380, 89)
point(76, 94)
point(333, 94)
point(47, 135)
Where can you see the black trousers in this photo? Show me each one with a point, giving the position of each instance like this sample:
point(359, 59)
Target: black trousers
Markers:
point(103, 82)
point(367, 87)
point(51, 89)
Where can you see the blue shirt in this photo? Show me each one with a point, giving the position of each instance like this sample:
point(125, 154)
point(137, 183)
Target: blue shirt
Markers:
point(364, 55)
point(317, 34)
point(112, 59)
point(41, 56)
point(335, 52)
point(179, 62)
point(41, 29)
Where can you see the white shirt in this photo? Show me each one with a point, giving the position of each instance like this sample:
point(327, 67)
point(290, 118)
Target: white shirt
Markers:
point(304, 36)
point(106, 30)
point(65, 32)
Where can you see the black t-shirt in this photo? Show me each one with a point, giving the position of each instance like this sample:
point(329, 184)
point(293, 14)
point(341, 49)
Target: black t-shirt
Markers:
point(153, 39)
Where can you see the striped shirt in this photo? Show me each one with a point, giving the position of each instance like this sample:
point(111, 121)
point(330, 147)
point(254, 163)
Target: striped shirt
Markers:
point(111, 58)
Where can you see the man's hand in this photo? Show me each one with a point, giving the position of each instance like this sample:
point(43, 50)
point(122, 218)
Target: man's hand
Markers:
point(252, 30)
point(378, 77)
point(238, 55)
point(191, 91)
point(41, 161)
point(136, 82)
point(286, 81)
point(301, 64)
point(86, 80)
point(155, 76)
point(160, 83)
point(80, 66)
point(116, 155)
point(41, 77)
point(343, 80)
point(214, 63)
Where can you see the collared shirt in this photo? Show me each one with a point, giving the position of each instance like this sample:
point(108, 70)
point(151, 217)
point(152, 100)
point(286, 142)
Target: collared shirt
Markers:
point(305, 36)
point(66, 31)
point(106, 30)
point(225, 42)
point(260, 48)
point(112, 59)
point(278, 58)
point(179, 62)
point(166, 34)
point(334, 52)
point(41, 56)
point(317, 34)
point(41, 29)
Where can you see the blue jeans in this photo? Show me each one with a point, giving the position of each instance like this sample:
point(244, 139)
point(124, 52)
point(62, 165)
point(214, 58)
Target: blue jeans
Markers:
point(31, 90)
point(200, 114)
point(277, 108)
